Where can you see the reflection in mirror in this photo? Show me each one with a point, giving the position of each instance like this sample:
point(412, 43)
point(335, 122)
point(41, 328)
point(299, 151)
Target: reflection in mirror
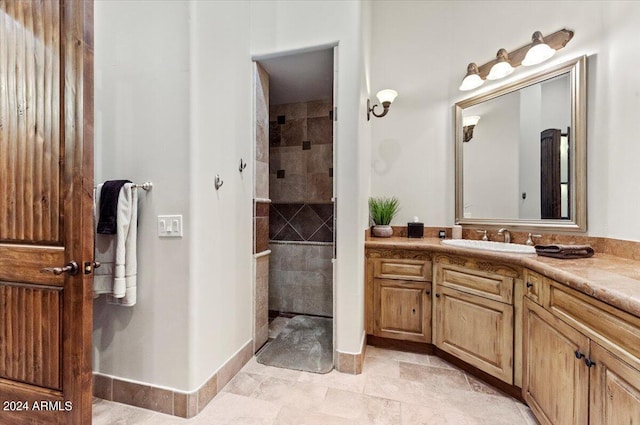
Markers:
point(522, 164)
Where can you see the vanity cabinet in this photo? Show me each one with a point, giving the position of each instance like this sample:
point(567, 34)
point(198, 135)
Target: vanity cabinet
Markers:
point(588, 350)
point(556, 380)
point(398, 294)
point(474, 313)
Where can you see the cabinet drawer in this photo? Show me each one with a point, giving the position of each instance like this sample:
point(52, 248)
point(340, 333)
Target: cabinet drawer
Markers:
point(617, 330)
point(533, 286)
point(418, 270)
point(479, 282)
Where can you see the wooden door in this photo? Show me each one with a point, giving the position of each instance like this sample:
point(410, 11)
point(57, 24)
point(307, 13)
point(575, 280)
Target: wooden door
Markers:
point(477, 330)
point(555, 384)
point(614, 389)
point(402, 309)
point(550, 182)
point(46, 219)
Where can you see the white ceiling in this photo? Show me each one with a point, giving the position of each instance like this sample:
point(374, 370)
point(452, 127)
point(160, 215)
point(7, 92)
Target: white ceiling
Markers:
point(300, 77)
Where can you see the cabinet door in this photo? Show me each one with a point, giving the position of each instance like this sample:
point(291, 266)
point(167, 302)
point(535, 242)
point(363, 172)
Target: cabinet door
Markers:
point(477, 330)
point(615, 389)
point(556, 380)
point(402, 310)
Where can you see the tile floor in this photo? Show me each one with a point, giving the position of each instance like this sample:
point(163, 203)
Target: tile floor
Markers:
point(395, 388)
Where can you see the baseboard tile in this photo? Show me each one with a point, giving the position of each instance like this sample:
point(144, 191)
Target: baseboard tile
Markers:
point(176, 403)
point(352, 362)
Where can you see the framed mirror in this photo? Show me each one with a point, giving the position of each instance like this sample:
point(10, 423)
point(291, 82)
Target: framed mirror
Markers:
point(521, 153)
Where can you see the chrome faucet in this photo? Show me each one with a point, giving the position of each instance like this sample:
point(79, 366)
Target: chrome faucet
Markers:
point(506, 233)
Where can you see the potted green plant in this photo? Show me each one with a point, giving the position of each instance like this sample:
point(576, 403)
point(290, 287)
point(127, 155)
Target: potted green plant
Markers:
point(382, 210)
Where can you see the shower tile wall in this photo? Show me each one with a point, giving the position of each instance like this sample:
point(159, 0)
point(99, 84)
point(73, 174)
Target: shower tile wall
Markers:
point(261, 209)
point(301, 213)
point(300, 278)
point(301, 152)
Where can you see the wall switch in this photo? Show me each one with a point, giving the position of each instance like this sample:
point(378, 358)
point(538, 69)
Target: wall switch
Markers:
point(170, 226)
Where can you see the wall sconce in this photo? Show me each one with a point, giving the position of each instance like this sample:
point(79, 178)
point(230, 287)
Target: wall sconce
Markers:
point(468, 124)
point(386, 98)
point(539, 50)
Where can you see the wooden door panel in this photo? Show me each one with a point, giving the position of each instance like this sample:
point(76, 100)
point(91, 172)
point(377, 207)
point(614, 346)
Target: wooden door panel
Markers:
point(46, 220)
point(476, 330)
point(30, 142)
point(30, 327)
point(402, 310)
point(615, 389)
point(555, 382)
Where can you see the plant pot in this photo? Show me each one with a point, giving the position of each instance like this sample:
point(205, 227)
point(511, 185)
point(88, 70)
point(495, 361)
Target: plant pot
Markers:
point(382, 231)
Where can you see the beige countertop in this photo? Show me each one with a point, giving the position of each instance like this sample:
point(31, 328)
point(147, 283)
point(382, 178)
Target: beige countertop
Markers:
point(613, 280)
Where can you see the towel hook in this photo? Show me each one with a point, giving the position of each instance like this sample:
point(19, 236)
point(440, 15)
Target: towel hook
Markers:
point(243, 165)
point(218, 182)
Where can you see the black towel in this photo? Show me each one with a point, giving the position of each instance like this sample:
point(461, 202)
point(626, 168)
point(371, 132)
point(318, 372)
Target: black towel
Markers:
point(565, 251)
point(109, 206)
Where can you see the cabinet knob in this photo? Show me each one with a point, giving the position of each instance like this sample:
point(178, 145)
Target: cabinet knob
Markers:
point(529, 284)
point(588, 362)
point(437, 295)
point(579, 355)
point(414, 311)
point(427, 292)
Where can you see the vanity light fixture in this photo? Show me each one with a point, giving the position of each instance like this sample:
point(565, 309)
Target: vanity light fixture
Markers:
point(537, 51)
point(386, 98)
point(502, 67)
point(472, 80)
point(468, 124)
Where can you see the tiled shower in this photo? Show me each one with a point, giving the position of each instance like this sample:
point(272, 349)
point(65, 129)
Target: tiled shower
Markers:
point(301, 214)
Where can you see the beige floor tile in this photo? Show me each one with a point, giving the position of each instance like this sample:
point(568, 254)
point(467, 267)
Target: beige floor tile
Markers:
point(436, 361)
point(253, 366)
point(381, 366)
point(435, 378)
point(232, 409)
point(425, 414)
point(244, 383)
point(402, 390)
point(360, 408)
point(335, 379)
point(395, 388)
point(482, 387)
point(301, 395)
point(290, 415)
point(489, 409)
point(397, 355)
point(111, 413)
point(528, 414)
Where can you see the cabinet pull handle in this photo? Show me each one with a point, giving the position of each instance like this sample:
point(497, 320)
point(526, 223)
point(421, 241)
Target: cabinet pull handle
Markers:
point(579, 355)
point(529, 284)
point(588, 362)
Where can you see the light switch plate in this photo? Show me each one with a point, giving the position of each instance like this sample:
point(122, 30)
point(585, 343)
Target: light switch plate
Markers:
point(170, 226)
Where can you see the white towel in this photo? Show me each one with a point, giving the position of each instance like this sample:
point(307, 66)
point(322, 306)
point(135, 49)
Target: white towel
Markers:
point(116, 275)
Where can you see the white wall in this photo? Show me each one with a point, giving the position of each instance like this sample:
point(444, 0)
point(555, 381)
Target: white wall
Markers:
point(142, 133)
point(490, 168)
point(222, 132)
point(422, 49)
point(530, 127)
point(174, 94)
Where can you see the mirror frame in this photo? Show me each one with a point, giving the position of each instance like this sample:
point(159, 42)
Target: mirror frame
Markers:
point(576, 69)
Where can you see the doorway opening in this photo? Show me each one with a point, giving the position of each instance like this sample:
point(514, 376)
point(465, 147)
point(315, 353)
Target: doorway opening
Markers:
point(294, 182)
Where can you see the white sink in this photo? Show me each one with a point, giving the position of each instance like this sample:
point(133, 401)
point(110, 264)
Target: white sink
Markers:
point(491, 246)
